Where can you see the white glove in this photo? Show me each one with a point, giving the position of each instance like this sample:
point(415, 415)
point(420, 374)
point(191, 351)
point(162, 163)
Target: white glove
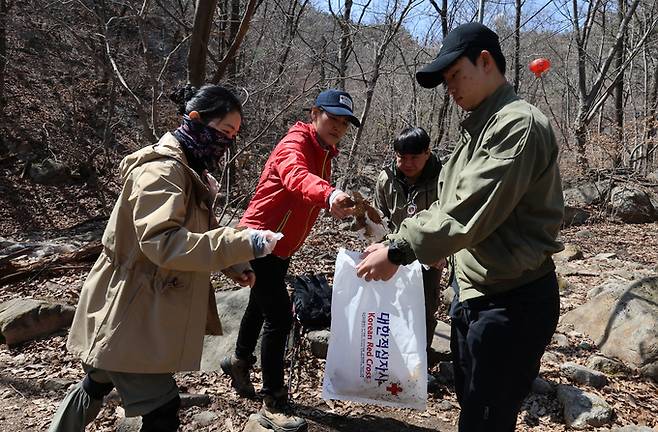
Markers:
point(263, 241)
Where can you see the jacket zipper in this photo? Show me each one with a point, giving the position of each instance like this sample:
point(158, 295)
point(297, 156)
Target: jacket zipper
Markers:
point(283, 221)
point(324, 166)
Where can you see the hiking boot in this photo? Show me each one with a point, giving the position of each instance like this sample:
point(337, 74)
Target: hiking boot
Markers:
point(277, 415)
point(238, 370)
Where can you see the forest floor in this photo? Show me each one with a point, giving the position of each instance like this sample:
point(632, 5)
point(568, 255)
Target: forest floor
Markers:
point(34, 375)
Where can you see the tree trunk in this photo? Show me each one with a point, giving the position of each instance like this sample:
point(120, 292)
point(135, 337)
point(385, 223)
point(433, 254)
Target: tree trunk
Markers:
point(233, 27)
point(292, 24)
point(619, 88)
point(196, 59)
point(229, 57)
point(345, 44)
point(580, 133)
point(653, 121)
point(5, 6)
point(517, 44)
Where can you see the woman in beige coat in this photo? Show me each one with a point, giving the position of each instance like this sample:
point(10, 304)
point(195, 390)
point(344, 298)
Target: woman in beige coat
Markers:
point(147, 302)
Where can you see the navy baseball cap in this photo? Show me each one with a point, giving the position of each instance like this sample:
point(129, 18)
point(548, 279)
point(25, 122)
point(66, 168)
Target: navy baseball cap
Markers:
point(456, 44)
point(338, 103)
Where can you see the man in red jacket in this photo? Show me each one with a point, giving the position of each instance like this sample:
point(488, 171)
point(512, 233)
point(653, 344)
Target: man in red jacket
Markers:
point(293, 188)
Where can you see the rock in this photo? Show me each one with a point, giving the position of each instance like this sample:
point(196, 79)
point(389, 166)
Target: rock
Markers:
point(586, 194)
point(50, 172)
point(193, 399)
point(27, 319)
point(205, 418)
point(631, 205)
point(319, 340)
point(583, 375)
point(584, 234)
point(445, 405)
point(56, 384)
point(561, 340)
point(605, 256)
point(632, 428)
point(574, 216)
point(571, 252)
point(127, 424)
point(585, 346)
point(606, 365)
point(582, 409)
point(440, 343)
point(231, 306)
point(564, 285)
point(550, 357)
point(252, 425)
point(622, 320)
point(541, 386)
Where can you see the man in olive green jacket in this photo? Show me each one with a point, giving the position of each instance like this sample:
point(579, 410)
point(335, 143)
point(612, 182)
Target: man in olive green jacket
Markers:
point(410, 185)
point(499, 212)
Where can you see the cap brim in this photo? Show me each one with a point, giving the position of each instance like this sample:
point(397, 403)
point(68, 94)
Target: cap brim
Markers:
point(340, 111)
point(431, 75)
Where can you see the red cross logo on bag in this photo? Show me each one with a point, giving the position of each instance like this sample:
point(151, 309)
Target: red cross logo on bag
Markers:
point(394, 389)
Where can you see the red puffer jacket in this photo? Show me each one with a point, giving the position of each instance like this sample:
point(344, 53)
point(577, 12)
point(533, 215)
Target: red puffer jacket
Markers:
point(292, 188)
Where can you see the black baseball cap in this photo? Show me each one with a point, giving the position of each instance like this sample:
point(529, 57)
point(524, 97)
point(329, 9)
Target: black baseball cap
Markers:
point(456, 44)
point(337, 102)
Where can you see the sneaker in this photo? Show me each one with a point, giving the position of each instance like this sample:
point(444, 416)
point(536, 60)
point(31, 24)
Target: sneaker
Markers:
point(276, 414)
point(238, 370)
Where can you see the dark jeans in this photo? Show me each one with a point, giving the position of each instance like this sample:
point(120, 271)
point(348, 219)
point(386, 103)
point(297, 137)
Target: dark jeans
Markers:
point(269, 308)
point(497, 343)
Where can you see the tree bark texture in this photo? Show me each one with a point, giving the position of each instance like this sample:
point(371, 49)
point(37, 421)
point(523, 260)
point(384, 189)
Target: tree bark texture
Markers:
point(196, 60)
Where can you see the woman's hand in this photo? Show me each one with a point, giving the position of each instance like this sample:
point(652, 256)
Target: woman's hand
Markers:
point(245, 279)
point(242, 274)
point(212, 183)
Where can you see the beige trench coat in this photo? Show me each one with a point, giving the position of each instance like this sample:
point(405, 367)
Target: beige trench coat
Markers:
point(144, 306)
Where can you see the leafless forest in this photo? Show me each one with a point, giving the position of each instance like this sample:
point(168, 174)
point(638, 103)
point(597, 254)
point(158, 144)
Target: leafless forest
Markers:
point(86, 82)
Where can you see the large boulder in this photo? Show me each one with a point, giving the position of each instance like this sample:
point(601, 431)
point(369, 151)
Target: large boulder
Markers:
point(622, 318)
point(586, 194)
point(577, 198)
point(574, 216)
point(583, 375)
point(440, 343)
point(22, 320)
point(581, 409)
point(631, 205)
point(231, 306)
point(50, 172)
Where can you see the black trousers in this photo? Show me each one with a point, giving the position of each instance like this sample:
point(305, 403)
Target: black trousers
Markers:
point(497, 343)
point(269, 308)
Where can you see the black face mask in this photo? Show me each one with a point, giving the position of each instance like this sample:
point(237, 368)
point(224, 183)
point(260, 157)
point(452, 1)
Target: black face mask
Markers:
point(204, 146)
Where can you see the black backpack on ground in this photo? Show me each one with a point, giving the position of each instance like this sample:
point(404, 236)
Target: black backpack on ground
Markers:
point(311, 299)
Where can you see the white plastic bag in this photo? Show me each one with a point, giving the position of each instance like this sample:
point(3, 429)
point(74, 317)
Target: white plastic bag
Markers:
point(377, 349)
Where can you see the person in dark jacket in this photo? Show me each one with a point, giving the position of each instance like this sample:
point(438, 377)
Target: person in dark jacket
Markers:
point(293, 187)
point(408, 186)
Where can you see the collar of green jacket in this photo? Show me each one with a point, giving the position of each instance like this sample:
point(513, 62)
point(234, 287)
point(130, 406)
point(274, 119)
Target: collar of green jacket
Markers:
point(167, 147)
point(430, 171)
point(475, 121)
